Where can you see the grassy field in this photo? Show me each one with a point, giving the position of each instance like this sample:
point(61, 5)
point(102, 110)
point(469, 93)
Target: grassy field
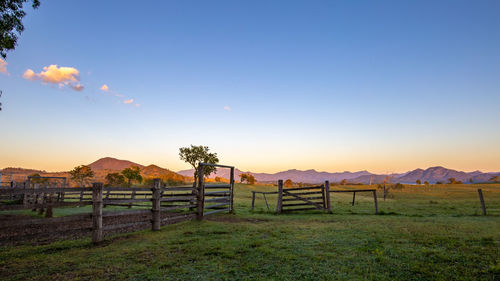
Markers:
point(422, 233)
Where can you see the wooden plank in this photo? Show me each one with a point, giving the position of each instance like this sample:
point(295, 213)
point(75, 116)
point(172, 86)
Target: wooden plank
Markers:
point(217, 211)
point(217, 205)
point(24, 222)
point(211, 193)
point(304, 188)
point(173, 199)
point(481, 199)
point(302, 193)
point(178, 207)
point(125, 213)
point(44, 205)
point(214, 186)
point(353, 197)
point(128, 189)
point(218, 199)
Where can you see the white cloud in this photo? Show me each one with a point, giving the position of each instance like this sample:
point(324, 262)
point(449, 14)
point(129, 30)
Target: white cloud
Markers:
point(104, 88)
point(3, 66)
point(128, 101)
point(137, 105)
point(227, 108)
point(68, 76)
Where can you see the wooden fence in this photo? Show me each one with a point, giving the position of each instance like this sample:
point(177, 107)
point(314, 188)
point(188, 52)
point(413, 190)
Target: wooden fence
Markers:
point(308, 198)
point(154, 206)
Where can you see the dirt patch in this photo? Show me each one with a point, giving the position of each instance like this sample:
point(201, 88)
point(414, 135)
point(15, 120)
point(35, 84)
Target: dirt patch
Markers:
point(234, 219)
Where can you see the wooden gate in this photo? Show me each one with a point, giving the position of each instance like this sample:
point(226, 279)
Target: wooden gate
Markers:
point(214, 198)
point(301, 198)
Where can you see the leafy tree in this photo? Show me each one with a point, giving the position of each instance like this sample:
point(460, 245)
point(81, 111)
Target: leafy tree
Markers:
point(81, 174)
point(132, 173)
point(426, 182)
point(471, 180)
point(439, 182)
point(11, 25)
point(36, 178)
point(494, 179)
point(419, 182)
point(218, 179)
point(288, 183)
point(248, 178)
point(195, 155)
point(452, 180)
point(115, 179)
point(343, 182)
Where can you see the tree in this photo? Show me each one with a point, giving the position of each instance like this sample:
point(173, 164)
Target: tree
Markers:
point(248, 178)
point(343, 182)
point(419, 182)
point(452, 180)
point(11, 25)
point(132, 173)
point(195, 155)
point(218, 179)
point(494, 179)
point(81, 174)
point(115, 179)
point(36, 178)
point(288, 183)
point(426, 182)
point(471, 180)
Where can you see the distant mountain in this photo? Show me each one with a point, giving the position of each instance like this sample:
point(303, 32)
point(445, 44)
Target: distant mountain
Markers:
point(432, 175)
point(308, 176)
point(109, 163)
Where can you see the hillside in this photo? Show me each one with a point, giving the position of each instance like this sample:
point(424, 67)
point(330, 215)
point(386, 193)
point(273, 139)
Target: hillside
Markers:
point(109, 163)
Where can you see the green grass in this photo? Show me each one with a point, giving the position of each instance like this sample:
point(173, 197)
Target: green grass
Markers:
point(431, 233)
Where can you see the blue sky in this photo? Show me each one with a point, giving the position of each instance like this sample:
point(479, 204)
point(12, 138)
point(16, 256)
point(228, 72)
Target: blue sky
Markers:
point(385, 86)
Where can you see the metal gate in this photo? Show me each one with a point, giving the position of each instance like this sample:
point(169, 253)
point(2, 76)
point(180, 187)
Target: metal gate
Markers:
point(214, 198)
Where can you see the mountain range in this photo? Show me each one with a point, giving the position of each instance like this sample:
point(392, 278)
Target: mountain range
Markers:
point(432, 175)
point(107, 165)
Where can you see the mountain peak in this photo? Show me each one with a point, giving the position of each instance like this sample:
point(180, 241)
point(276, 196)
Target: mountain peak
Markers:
point(110, 163)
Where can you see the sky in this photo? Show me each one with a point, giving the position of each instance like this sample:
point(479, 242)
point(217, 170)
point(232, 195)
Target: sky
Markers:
point(383, 86)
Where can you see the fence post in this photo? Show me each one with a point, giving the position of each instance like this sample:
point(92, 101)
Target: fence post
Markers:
point(231, 209)
point(375, 201)
point(480, 192)
point(201, 194)
point(327, 190)
point(279, 207)
point(253, 199)
point(353, 197)
point(156, 205)
point(96, 212)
